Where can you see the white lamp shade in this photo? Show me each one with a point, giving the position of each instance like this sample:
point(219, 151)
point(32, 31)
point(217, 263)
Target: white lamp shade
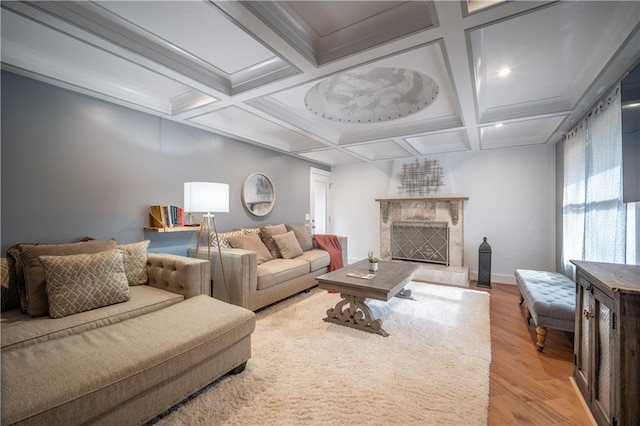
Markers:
point(206, 197)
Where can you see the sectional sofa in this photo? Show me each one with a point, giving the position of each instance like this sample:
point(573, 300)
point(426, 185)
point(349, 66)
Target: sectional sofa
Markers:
point(267, 264)
point(158, 338)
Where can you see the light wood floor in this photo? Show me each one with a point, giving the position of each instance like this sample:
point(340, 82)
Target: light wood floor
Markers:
point(528, 387)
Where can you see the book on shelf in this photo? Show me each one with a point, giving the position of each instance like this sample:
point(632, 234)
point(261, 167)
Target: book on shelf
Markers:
point(161, 216)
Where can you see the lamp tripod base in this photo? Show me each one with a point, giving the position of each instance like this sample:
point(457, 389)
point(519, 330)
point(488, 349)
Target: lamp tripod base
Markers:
point(208, 224)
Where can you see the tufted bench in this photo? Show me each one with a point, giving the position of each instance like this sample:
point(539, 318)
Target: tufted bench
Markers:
point(550, 298)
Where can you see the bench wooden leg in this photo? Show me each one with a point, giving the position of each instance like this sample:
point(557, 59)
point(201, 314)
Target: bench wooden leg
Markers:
point(542, 336)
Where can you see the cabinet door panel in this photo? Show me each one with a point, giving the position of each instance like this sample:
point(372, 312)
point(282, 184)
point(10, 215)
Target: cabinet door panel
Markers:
point(583, 338)
point(603, 351)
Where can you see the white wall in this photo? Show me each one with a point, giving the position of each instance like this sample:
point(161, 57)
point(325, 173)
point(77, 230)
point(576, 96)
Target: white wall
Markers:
point(511, 202)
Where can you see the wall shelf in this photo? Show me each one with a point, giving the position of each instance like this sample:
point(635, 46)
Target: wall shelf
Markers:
point(173, 229)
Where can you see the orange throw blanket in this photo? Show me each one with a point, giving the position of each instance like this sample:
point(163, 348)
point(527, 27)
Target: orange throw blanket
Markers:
point(331, 244)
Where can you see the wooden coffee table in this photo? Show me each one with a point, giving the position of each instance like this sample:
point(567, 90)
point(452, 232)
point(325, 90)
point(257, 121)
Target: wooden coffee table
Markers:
point(352, 310)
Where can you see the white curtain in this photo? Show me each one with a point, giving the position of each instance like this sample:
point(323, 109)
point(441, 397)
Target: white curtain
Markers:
point(594, 215)
point(605, 215)
point(574, 197)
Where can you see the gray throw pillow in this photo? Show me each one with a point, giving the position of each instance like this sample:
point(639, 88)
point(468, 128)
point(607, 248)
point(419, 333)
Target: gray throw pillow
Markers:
point(252, 242)
point(302, 235)
point(34, 279)
point(267, 237)
point(9, 298)
point(288, 245)
point(81, 282)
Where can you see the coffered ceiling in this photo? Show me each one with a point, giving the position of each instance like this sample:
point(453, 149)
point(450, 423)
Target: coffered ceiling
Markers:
point(502, 74)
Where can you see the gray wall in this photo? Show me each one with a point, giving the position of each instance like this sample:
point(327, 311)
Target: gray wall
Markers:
point(75, 166)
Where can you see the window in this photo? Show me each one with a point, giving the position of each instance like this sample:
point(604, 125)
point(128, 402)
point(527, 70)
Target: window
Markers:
point(595, 224)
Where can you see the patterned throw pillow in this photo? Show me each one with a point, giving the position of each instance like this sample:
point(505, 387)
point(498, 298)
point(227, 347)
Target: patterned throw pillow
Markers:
point(34, 279)
point(81, 282)
point(267, 237)
point(134, 258)
point(288, 245)
point(302, 235)
point(223, 237)
point(252, 242)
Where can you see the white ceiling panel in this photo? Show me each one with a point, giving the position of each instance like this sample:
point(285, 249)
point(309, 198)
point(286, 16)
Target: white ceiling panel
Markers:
point(474, 6)
point(325, 31)
point(552, 55)
point(332, 157)
point(242, 68)
point(256, 129)
point(41, 50)
point(196, 27)
point(437, 143)
point(520, 133)
point(325, 18)
point(384, 150)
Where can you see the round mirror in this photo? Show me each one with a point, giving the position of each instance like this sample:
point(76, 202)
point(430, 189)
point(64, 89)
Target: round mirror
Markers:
point(258, 194)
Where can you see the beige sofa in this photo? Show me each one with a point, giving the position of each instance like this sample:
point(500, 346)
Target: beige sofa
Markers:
point(124, 363)
point(253, 283)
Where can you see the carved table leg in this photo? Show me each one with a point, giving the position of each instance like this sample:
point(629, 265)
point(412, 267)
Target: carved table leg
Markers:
point(352, 311)
point(542, 336)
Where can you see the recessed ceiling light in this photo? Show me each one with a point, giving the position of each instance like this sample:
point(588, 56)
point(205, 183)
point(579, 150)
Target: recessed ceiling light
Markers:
point(504, 72)
point(498, 125)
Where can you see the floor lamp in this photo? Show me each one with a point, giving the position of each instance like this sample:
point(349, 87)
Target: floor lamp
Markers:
point(211, 198)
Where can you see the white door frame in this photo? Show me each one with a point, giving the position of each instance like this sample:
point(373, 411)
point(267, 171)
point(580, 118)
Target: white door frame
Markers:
point(319, 175)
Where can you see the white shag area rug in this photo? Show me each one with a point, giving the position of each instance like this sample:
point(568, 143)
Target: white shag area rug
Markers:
point(433, 369)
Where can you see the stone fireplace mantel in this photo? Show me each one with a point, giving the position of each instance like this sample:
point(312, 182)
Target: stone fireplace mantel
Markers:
point(454, 205)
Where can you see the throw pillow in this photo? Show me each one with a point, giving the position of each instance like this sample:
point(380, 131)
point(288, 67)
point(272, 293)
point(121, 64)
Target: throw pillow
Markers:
point(36, 295)
point(254, 230)
point(288, 245)
point(223, 237)
point(252, 242)
point(15, 252)
point(80, 282)
point(302, 235)
point(134, 258)
point(267, 237)
point(9, 297)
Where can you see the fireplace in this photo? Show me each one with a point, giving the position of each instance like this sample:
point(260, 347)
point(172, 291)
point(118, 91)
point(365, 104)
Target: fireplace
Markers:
point(420, 241)
point(427, 230)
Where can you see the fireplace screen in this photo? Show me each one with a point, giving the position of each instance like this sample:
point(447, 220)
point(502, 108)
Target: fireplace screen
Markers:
point(420, 241)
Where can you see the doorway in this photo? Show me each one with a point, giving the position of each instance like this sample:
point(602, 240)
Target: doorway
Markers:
point(319, 196)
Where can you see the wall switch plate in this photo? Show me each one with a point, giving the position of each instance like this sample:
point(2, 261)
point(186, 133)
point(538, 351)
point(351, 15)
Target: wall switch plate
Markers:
point(306, 216)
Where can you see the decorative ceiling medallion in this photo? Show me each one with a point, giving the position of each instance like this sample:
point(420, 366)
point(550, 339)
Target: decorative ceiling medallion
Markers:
point(372, 95)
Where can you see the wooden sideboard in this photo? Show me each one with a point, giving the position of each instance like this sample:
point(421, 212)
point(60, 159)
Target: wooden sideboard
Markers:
point(607, 341)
